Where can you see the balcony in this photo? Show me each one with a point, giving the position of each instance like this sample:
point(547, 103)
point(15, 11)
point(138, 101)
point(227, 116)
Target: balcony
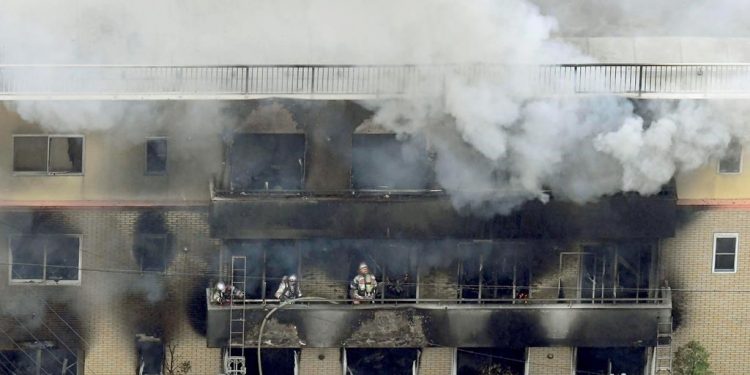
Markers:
point(444, 322)
point(361, 82)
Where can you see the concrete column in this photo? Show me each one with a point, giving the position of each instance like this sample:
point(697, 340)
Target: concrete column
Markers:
point(436, 361)
point(551, 361)
point(320, 361)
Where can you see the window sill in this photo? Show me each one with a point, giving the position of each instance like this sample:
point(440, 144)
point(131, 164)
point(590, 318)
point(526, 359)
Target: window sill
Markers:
point(46, 282)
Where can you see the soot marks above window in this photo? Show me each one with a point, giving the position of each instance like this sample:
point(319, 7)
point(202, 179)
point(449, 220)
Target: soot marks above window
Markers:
point(52, 155)
point(732, 160)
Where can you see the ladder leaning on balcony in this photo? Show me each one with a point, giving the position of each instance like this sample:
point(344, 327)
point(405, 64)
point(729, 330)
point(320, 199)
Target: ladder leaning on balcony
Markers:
point(663, 350)
point(234, 357)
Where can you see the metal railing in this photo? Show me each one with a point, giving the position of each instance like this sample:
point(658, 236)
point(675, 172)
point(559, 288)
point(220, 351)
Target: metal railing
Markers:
point(19, 82)
point(660, 296)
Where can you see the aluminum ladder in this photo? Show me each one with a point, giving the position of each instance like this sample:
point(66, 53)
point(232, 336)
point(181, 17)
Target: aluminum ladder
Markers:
point(234, 357)
point(663, 350)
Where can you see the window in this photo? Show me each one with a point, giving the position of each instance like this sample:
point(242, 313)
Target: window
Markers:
point(725, 252)
point(267, 162)
point(48, 154)
point(156, 156)
point(732, 160)
point(45, 258)
point(38, 358)
point(380, 361)
point(52, 155)
point(610, 360)
point(381, 161)
point(151, 251)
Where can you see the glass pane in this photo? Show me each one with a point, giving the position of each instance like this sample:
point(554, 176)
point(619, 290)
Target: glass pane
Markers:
point(156, 156)
point(62, 258)
point(152, 249)
point(66, 154)
point(30, 154)
point(28, 258)
point(725, 245)
point(724, 262)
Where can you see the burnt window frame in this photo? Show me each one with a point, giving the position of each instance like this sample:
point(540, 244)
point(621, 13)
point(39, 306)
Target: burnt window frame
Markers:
point(720, 170)
point(47, 171)
point(303, 160)
point(36, 351)
point(44, 280)
point(146, 170)
point(716, 237)
point(164, 250)
point(344, 360)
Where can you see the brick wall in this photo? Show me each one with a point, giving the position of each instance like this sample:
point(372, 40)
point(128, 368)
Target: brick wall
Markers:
point(436, 361)
point(550, 361)
point(714, 316)
point(320, 361)
point(115, 301)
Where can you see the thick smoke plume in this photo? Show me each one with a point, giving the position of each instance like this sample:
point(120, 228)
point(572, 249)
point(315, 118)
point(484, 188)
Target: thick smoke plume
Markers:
point(496, 145)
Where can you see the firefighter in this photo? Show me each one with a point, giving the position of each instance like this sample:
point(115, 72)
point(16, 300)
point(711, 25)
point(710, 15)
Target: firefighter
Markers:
point(363, 285)
point(288, 289)
point(224, 293)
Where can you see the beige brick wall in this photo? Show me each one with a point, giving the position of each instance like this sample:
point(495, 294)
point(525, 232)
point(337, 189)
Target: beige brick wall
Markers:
point(111, 305)
point(320, 361)
point(710, 312)
point(436, 361)
point(560, 363)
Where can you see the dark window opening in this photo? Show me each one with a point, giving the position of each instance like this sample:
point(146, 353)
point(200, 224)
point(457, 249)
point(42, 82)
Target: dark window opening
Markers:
point(381, 161)
point(156, 156)
point(254, 269)
point(151, 250)
point(48, 257)
point(493, 270)
point(150, 355)
point(394, 265)
point(48, 154)
point(482, 361)
point(732, 160)
point(274, 361)
point(381, 361)
point(282, 259)
point(725, 252)
point(605, 361)
point(267, 162)
point(34, 359)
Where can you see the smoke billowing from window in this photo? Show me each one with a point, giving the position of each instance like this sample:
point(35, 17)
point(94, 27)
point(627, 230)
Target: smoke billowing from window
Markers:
point(495, 144)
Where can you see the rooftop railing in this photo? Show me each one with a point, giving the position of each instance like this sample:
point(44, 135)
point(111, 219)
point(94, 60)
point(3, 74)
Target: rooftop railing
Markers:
point(117, 82)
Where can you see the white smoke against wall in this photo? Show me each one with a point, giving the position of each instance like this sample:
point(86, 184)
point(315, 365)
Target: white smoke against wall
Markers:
point(496, 144)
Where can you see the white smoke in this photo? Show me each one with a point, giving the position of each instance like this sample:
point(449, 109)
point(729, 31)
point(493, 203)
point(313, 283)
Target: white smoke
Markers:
point(496, 145)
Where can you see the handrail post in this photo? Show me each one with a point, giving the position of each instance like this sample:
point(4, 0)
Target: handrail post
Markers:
point(246, 89)
point(640, 80)
point(312, 80)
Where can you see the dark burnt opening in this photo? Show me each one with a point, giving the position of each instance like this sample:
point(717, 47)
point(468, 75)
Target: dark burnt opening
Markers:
point(611, 360)
point(267, 162)
point(482, 361)
point(383, 161)
point(381, 361)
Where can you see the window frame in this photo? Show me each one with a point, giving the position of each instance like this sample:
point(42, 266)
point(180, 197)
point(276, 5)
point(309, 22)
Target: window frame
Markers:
point(736, 251)
point(164, 251)
point(166, 156)
point(44, 280)
point(47, 172)
point(739, 169)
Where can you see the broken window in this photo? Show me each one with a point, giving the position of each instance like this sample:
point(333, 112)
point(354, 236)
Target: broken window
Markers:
point(151, 250)
point(267, 162)
point(362, 361)
point(481, 361)
point(382, 161)
point(45, 258)
point(725, 252)
point(732, 160)
point(254, 274)
point(48, 154)
point(38, 358)
point(156, 156)
point(605, 361)
point(493, 271)
point(274, 361)
point(151, 355)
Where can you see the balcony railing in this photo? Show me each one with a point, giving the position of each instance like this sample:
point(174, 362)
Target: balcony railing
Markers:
point(89, 82)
